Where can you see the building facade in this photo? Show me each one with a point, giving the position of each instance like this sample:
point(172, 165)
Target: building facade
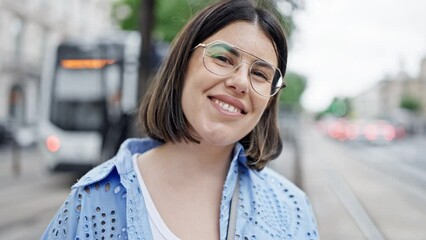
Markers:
point(383, 100)
point(28, 30)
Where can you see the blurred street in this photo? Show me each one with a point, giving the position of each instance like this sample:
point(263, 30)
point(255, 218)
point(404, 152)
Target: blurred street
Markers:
point(29, 201)
point(364, 191)
point(357, 191)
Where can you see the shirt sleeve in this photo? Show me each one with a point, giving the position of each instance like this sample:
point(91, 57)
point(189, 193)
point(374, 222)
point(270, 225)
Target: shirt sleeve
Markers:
point(309, 229)
point(64, 223)
point(92, 211)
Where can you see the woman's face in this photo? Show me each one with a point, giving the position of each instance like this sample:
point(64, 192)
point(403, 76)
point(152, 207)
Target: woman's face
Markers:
point(221, 110)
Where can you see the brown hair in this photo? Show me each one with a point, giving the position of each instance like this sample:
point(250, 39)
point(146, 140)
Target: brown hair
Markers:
point(161, 112)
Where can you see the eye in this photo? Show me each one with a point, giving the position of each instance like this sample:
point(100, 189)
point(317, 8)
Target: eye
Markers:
point(259, 75)
point(222, 59)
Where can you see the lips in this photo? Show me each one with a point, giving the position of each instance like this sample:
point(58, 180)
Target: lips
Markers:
point(229, 104)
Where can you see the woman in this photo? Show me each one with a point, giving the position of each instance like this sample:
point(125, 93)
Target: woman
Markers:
point(211, 118)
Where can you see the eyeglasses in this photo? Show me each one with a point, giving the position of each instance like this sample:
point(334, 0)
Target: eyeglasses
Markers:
point(223, 59)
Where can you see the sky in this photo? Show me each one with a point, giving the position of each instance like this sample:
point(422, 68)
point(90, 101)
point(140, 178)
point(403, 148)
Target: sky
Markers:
point(344, 47)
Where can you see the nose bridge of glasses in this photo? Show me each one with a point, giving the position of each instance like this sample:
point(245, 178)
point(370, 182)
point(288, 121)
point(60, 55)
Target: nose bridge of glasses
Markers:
point(248, 63)
point(241, 63)
point(246, 71)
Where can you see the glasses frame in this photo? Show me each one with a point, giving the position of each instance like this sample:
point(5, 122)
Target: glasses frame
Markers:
point(204, 46)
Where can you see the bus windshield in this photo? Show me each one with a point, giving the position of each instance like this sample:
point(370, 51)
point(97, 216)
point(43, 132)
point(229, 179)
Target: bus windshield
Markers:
point(80, 96)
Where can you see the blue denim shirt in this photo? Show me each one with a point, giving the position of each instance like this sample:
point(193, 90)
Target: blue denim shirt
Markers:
point(107, 203)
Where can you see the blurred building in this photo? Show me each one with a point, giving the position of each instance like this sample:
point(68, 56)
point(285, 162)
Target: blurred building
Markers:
point(28, 30)
point(384, 100)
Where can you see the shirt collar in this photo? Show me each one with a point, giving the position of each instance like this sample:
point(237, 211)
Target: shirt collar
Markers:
point(140, 145)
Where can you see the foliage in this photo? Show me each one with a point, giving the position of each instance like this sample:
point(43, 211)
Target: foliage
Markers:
point(170, 16)
point(339, 107)
point(410, 103)
point(125, 12)
point(290, 96)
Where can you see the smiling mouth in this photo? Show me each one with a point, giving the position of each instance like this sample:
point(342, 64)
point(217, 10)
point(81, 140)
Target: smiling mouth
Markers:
point(227, 107)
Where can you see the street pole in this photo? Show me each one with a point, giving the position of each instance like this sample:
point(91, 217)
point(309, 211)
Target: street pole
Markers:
point(16, 158)
point(146, 24)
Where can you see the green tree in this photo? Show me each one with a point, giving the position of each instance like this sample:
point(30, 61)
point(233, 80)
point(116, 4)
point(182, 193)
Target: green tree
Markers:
point(170, 16)
point(290, 96)
point(410, 103)
point(339, 107)
point(126, 13)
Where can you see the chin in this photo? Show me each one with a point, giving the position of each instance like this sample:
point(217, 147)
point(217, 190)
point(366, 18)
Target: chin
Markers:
point(219, 135)
point(220, 140)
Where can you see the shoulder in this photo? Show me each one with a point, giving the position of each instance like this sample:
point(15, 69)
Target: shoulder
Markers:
point(279, 185)
point(93, 209)
point(96, 207)
point(97, 174)
point(101, 188)
point(121, 163)
point(269, 183)
point(276, 206)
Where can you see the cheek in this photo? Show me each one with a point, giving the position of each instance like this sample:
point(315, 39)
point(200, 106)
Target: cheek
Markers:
point(193, 80)
point(261, 104)
point(262, 107)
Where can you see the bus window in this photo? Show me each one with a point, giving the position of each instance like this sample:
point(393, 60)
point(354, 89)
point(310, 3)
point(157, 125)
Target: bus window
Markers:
point(69, 85)
point(80, 97)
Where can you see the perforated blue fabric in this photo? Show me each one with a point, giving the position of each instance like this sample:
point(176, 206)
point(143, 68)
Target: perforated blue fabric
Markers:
point(107, 203)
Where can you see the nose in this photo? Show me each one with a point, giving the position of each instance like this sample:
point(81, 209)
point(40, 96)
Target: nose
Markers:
point(240, 79)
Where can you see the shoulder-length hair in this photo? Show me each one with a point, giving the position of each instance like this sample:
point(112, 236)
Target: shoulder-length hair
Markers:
point(161, 112)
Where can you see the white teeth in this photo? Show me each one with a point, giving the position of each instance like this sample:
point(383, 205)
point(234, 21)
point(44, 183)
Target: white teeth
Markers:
point(226, 106)
point(232, 109)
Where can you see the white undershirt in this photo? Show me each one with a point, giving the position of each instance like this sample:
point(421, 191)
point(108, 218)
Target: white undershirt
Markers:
point(159, 229)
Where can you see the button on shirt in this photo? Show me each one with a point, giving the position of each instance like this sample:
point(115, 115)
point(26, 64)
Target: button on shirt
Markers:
point(108, 203)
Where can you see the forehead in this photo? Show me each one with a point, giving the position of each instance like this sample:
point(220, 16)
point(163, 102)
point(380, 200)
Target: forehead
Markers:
point(248, 37)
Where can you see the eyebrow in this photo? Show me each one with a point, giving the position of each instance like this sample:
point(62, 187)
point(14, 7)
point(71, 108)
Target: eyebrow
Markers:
point(265, 64)
point(231, 49)
point(235, 50)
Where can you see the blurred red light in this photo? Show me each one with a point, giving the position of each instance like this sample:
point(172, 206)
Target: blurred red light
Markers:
point(337, 131)
point(351, 132)
point(52, 143)
point(371, 132)
point(389, 132)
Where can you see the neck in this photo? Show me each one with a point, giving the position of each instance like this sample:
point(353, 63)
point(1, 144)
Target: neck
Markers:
point(197, 159)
